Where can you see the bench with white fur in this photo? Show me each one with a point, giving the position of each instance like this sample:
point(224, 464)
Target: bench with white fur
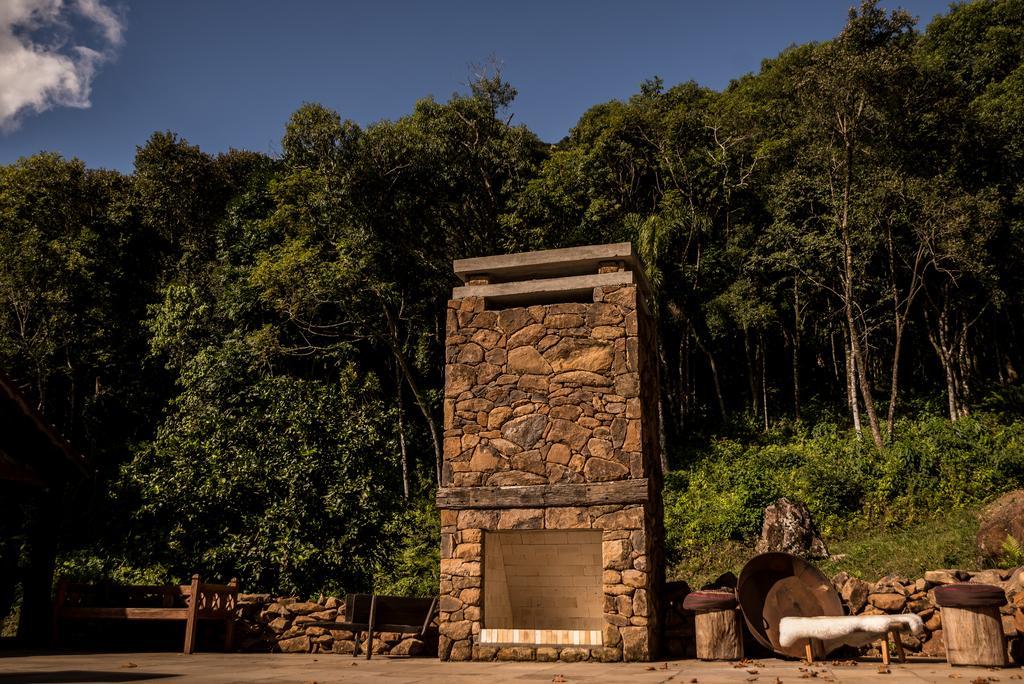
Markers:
point(849, 630)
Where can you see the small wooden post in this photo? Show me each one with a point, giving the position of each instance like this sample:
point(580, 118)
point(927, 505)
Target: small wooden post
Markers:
point(885, 649)
point(809, 652)
point(719, 635)
point(899, 645)
point(373, 618)
point(974, 636)
point(192, 623)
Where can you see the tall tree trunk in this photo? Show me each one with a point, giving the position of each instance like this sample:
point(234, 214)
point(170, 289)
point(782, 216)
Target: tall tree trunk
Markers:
point(859, 358)
point(894, 381)
point(796, 349)
point(401, 435)
point(755, 409)
point(851, 387)
point(764, 381)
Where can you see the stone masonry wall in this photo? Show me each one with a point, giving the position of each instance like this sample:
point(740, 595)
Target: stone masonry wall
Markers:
point(279, 624)
point(552, 395)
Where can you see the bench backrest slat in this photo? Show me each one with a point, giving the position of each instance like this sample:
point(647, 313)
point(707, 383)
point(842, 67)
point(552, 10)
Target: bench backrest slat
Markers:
point(391, 610)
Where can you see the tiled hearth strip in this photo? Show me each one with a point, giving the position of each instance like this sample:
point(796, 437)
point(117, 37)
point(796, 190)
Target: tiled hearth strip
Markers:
point(541, 637)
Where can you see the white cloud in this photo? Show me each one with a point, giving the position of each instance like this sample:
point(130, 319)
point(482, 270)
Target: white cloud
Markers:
point(41, 64)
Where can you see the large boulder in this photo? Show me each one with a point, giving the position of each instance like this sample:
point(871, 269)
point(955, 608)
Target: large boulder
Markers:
point(788, 527)
point(1001, 518)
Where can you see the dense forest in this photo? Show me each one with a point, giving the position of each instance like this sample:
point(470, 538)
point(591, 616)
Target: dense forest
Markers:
point(250, 347)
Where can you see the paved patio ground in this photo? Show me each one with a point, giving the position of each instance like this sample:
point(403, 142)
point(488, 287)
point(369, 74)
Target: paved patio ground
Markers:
point(321, 669)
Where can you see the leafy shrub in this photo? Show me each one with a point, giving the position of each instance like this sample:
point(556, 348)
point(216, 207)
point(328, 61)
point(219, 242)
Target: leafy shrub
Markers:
point(930, 467)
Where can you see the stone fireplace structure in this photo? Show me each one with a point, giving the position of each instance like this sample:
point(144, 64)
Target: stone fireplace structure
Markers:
point(550, 501)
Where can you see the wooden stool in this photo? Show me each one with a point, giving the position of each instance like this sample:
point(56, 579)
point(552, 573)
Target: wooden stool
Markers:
point(972, 627)
point(718, 625)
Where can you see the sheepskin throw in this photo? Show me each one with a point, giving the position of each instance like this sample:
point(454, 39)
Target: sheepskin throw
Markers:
point(851, 630)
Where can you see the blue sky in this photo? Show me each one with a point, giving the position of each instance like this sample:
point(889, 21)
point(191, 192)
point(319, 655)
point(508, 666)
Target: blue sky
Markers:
point(228, 74)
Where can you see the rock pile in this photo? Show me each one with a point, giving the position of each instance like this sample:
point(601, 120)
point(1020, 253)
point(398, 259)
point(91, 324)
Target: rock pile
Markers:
point(894, 595)
point(280, 624)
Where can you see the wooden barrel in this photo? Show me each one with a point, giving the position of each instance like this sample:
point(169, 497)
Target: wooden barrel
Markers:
point(718, 625)
point(972, 627)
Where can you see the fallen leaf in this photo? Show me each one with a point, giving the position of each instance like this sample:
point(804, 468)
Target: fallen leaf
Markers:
point(558, 678)
point(751, 671)
point(651, 667)
point(128, 665)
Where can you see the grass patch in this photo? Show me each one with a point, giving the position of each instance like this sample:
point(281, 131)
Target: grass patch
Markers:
point(944, 541)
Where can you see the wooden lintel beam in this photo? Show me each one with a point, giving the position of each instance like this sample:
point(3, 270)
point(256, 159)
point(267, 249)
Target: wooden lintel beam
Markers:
point(536, 496)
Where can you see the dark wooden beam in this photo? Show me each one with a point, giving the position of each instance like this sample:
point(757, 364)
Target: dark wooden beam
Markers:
point(538, 496)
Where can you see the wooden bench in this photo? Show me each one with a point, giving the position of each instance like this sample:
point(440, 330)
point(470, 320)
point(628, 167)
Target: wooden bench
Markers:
point(188, 603)
point(371, 613)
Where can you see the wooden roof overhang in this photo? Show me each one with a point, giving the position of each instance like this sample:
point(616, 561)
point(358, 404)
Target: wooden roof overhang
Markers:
point(32, 453)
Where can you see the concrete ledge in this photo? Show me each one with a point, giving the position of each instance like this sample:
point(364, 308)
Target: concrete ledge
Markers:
point(548, 263)
point(532, 291)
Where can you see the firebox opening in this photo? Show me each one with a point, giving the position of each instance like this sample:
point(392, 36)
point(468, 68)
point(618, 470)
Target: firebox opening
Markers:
point(543, 587)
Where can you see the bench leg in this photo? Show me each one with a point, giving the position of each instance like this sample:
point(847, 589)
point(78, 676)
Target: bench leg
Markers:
point(885, 649)
point(809, 652)
point(192, 623)
point(900, 653)
point(229, 635)
point(373, 618)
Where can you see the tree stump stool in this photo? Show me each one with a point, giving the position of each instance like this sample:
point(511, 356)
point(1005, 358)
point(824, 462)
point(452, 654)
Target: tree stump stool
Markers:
point(971, 625)
point(718, 625)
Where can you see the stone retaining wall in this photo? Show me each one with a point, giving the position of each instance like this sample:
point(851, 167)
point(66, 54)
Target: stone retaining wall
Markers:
point(894, 595)
point(279, 624)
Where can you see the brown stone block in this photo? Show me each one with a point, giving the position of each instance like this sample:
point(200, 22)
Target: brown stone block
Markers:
point(624, 605)
point(580, 354)
point(635, 644)
point(458, 379)
point(632, 438)
point(560, 321)
point(471, 354)
point(603, 314)
point(486, 459)
point(485, 319)
point(472, 518)
point(585, 378)
point(547, 342)
point(631, 518)
point(525, 430)
point(512, 320)
point(487, 339)
point(615, 554)
point(487, 372)
point(634, 578)
point(533, 383)
point(559, 453)
point(468, 551)
point(564, 518)
point(608, 654)
point(566, 412)
point(640, 605)
point(574, 655)
point(600, 448)
point(546, 654)
point(607, 332)
point(521, 519)
point(515, 478)
point(528, 336)
point(515, 653)
point(569, 433)
point(601, 470)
